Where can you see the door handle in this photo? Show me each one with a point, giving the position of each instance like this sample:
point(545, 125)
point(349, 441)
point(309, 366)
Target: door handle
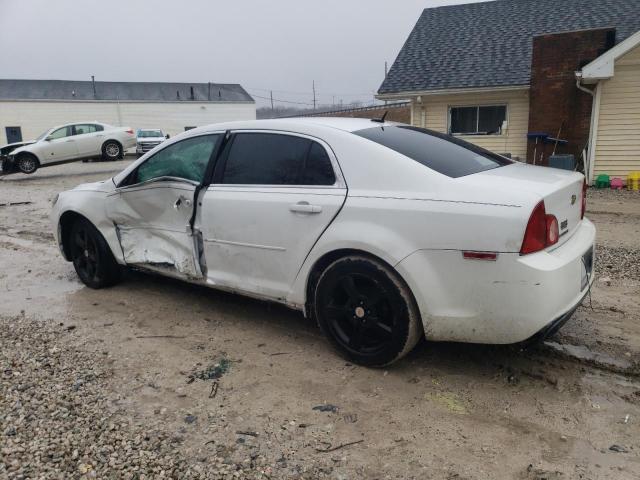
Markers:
point(70, 140)
point(305, 207)
point(181, 200)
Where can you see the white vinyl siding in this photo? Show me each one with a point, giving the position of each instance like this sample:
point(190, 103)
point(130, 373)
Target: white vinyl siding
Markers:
point(433, 113)
point(34, 117)
point(618, 136)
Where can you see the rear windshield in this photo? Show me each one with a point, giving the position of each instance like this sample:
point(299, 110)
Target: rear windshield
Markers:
point(442, 153)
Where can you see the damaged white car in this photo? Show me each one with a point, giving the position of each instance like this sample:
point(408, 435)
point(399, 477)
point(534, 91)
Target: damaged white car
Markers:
point(382, 232)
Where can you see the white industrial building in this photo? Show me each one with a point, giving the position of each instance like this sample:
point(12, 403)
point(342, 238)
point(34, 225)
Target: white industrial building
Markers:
point(29, 107)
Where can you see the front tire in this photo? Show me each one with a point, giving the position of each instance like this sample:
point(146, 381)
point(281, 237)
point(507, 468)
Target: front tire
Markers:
point(27, 164)
point(367, 311)
point(92, 258)
point(111, 150)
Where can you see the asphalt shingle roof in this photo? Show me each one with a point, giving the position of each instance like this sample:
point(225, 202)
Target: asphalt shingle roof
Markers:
point(489, 44)
point(121, 91)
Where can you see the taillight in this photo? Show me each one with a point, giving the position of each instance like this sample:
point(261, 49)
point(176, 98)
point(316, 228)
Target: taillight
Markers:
point(584, 199)
point(542, 231)
point(553, 232)
point(129, 131)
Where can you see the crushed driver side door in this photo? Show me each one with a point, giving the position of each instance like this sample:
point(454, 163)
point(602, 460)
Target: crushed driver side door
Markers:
point(154, 206)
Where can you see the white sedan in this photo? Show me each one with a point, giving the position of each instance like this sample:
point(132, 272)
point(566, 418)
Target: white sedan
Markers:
point(75, 141)
point(382, 232)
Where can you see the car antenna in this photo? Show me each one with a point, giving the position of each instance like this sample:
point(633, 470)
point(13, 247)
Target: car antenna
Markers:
point(381, 119)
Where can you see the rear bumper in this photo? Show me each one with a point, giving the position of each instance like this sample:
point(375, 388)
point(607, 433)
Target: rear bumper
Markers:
point(506, 301)
point(553, 327)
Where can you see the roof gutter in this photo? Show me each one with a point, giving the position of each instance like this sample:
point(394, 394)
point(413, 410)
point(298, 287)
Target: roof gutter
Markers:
point(448, 91)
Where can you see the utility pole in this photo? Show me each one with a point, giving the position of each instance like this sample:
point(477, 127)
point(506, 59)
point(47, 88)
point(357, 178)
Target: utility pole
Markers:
point(333, 102)
point(271, 102)
point(314, 95)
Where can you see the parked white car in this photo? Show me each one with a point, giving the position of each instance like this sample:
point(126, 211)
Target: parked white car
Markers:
point(147, 139)
point(382, 232)
point(75, 141)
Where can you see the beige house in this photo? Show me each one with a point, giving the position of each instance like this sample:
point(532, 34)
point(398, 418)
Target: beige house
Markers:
point(494, 72)
point(615, 121)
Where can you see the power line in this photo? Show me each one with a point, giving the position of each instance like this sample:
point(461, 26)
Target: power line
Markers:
point(283, 101)
point(307, 93)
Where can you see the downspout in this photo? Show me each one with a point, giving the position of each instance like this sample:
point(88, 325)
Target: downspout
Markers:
point(591, 154)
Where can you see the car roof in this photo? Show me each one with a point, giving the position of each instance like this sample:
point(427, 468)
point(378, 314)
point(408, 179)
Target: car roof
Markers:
point(345, 124)
point(82, 122)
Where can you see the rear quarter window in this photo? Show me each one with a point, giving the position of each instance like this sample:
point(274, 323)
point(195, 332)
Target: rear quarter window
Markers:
point(444, 154)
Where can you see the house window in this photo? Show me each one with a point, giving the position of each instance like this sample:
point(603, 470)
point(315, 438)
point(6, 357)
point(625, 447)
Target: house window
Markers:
point(480, 120)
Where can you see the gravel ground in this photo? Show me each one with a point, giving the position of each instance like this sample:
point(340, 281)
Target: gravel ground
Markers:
point(617, 263)
point(58, 422)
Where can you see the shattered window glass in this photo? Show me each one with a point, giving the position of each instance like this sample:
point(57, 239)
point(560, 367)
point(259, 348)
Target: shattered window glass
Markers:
point(187, 159)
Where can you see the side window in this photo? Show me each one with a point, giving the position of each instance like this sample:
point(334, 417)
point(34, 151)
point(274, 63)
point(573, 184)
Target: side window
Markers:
point(265, 159)
point(99, 128)
point(60, 133)
point(317, 169)
point(85, 128)
point(187, 159)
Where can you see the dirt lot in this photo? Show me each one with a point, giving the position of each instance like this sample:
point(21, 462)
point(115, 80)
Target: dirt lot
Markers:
point(121, 383)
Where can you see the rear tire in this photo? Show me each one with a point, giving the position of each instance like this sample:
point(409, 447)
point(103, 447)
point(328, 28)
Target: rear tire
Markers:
point(367, 311)
point(91, 256)
point(27, 163)
point(111, 150)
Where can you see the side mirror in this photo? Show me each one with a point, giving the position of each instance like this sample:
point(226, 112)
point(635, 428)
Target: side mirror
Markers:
point(167, 136)
point(48, 139)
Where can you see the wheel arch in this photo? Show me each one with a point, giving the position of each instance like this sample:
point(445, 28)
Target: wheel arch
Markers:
point(331, 256)
point(112, 140)
point(67, 219)
point(28, 153)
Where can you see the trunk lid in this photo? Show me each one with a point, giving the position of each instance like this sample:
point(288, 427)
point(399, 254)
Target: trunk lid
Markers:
point(561, 191)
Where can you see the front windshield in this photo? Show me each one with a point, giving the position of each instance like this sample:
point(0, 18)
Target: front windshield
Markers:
point(149, 133)
point(41, 136)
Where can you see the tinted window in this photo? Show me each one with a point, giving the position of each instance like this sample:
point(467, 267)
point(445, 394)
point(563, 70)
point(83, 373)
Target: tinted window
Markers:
point(86, 128)
point(317, 169)
point(186, 159)
point(60, 133)
point(265, 159)
point(442, 153)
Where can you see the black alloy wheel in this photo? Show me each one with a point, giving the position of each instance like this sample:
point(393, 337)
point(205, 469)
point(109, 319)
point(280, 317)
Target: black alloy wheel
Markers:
point(91, 256)
point(366, 311)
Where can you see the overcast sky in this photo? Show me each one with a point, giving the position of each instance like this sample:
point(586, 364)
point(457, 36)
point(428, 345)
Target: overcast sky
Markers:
point(279, 45)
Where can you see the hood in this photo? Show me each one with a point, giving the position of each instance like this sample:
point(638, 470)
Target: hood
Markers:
point(24, 148)
point(150, 139)
point(17, 144)
point(101, 186)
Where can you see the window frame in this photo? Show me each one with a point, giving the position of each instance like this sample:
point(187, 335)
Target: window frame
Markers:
point(222, 162)
point(126, 182)
point(478, 106)
point(94, 125)
point(69, 128)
